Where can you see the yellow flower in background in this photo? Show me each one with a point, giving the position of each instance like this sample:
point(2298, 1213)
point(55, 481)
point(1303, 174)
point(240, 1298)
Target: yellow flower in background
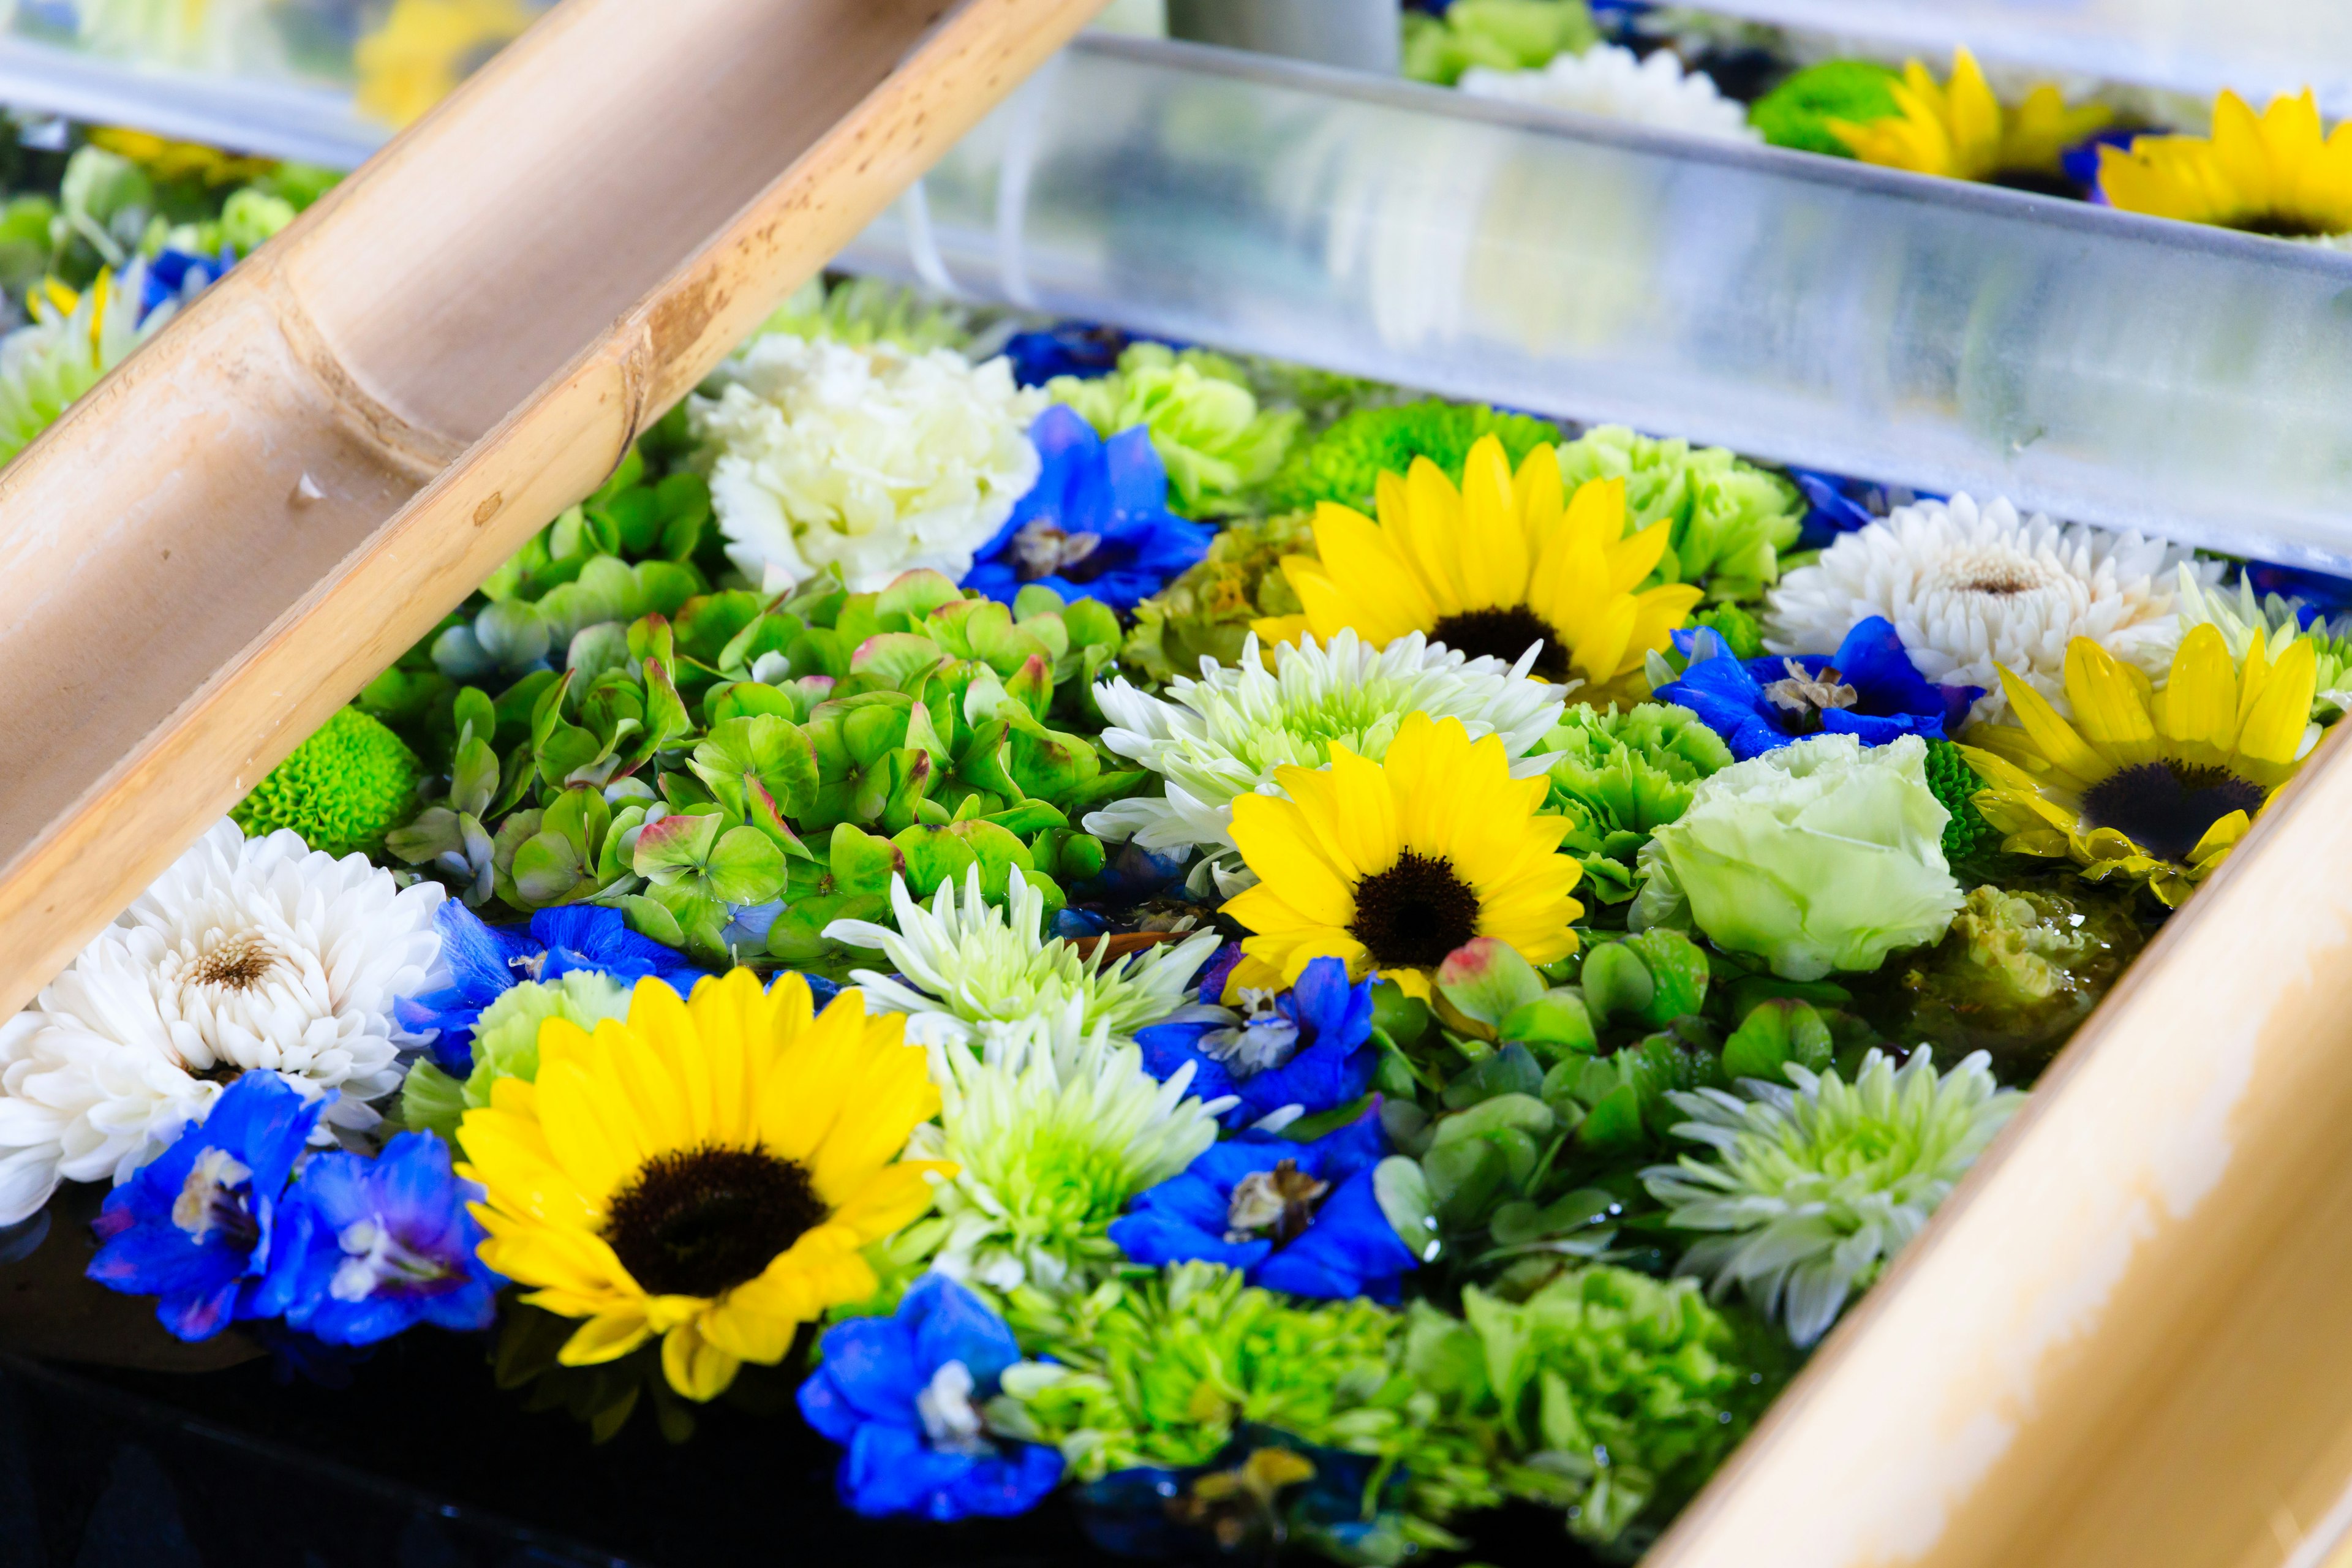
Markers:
point(2271, 174)
point(1502, 563)
point(2154, 786)
point(1958, 129)
point(1393, 865)
point(167, 160)
point(426, 47)
point(705, 1173)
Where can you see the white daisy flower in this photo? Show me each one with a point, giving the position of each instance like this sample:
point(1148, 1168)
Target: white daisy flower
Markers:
point(1613, 83)
point(247, 955)
point(1969, 588)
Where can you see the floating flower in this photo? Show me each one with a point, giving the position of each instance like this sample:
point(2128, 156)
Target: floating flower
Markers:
point(1095, 525)
point(1391, 866)
point(961, 964)
point(873, 459)
point(903, 1394)
point(1729, 519)
point(1297, 1217)
point(1226, 734)
point(1969, 587)
point(1302, 1051)
point(1610, 82)
point(1345, 463)
point(1823, 853)
point(341, 790)
point(1815, 1187)
point(2280, 621)
point(1204, 423)
point(1868, 689)
point(195, 1225)
point(249, 954)
point(1052, 1127)
point(1958, 129)
point(1492, 569)
point(485, 962)
point(705, 1174)
point(2153, 786)
point(368, 1248)
point(2273, 174)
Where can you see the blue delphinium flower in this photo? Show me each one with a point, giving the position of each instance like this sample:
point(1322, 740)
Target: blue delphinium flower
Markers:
point(1868, 689)
point(1836, 504)
point(179, 275)
point(1301, 1218)
point(902, 1394)
point(1309, 1047)
point(1095, 525)
point(196, 1224)
point(366, 1248)
point(1067, 348)
point(486, 961)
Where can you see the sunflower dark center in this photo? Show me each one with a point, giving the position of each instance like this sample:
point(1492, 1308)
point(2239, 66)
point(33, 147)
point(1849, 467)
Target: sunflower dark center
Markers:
point(1505, 633)
point(697, 1222)
point(2282, 226)
point(2040, 181)
point(2166, 807)
point(1415, 912)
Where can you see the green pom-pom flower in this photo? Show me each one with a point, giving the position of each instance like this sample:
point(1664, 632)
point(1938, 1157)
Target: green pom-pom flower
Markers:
point(506, 1045)
point(1621, 776)
point(1205, 423)
point(1730, 518)
point(342, 790)
point(1345, 463)
point(1501, 35)
point(1956, 784)
point(1813, 1188)
point(1797, 112)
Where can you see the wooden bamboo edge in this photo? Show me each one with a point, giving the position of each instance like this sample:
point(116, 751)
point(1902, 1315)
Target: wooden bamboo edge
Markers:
point(95, 857)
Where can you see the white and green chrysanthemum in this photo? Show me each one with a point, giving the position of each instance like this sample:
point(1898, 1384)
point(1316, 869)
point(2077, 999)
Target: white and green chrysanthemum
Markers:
point(1223, 736)
point(1052, 1125)
point(963, 962)
point(2239, 616)
point(45, 366)
point(1813, 1188)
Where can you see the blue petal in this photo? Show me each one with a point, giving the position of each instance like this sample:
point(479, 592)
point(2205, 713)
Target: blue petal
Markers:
point(1337, 1010)
point(1872, 729)
point(1873, 660)
point(870, 1361)
point(1191, 1198)
point(1138, 480)
point(950, 1323)
point(1155, 1239)
point(1344, 1151)
point(1349, 1251)
point(1167, 1047)
point(480, 957)
point(1001, 1488)
point(889, 1470)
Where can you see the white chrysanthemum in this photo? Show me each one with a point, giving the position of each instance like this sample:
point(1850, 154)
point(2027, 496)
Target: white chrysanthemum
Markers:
point(1613, 83)
point(247, 955)
point(1814, 1187)
point(1969, 587)
point(48, 364)
point(1223, 736)
point(871, 459)
point(1053, 1127)
point(2238, 616)
point(963, 963)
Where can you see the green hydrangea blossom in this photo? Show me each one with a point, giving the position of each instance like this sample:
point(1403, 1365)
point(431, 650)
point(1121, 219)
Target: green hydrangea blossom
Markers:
point(1344, 464)
point(342, 790)
point(1620, 776)
point(1730, 518)
point(1797, 112)
point(1205, 423)
point(1502, 34)
point(1206, 613)
point(506, 1045)
point(1956, 784)
point(865, 310)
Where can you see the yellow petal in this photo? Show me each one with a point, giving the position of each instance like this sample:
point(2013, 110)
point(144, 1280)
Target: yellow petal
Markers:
point(695, 1367)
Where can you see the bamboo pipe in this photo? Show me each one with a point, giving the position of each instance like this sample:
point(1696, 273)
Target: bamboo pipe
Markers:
point(264, 506)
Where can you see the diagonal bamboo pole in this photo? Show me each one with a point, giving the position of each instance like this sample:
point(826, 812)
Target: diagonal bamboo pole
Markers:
point(298, 478)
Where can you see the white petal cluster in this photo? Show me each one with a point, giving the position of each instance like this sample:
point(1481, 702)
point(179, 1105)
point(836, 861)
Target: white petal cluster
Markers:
point(1969, 587)
point(247, 955)
point(871, 459)
point(963, 963)
point(1223, 736)
point(1613, 83)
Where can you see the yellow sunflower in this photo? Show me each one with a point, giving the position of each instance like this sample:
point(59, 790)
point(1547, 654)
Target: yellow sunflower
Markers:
point(1493, 568)
point(2270, 175)
point(2155, 786)
point(169, 160)
point(1958, 129)
point(706, 1172)
point(426, 47)
point(1393, 865)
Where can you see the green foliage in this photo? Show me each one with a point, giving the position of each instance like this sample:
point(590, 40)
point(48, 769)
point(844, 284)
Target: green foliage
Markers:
point(1956, 785)
point(1621, 776)
point(1205, 423)
point(1729, 517)
point(1206, 613)
point(1501, 35)
point(346, 786)
point(1344, 464)
point(1797, 112)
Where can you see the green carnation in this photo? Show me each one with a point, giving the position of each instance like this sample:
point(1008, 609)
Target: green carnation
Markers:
point(1206, 613)
point(1730, 518)
point(1501, 35)
point(861, 312)
point(342, 790)
point(1739, 630)
point(1620, 776)
point(1824, 853)
point(1344, 464)
point(1205, 423)
point(506, 1045)
point(1797, 112)
point(1956, 784)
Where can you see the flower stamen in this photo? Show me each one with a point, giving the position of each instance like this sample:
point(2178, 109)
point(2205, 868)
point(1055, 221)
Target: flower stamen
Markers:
point(1415, 912)
point(701, 1221)
point(1277, 1205)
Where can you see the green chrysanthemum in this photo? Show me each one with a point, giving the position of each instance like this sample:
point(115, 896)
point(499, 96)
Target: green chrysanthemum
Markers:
point(342, 790)
point(46, 367)
point(1620, 776)
point(1344, 464)
point(506, 1045)
point(1797, 112)
point(1205, 423)
point(1206, 613)
point(861, 312)
point(1956, 784)
point(1731, 518)
point(2239, 614)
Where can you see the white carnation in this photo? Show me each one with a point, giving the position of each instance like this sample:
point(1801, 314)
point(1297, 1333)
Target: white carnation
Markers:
point(247, 955)
point(1969, 588)
point(1612, 83)
point(871, 459)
